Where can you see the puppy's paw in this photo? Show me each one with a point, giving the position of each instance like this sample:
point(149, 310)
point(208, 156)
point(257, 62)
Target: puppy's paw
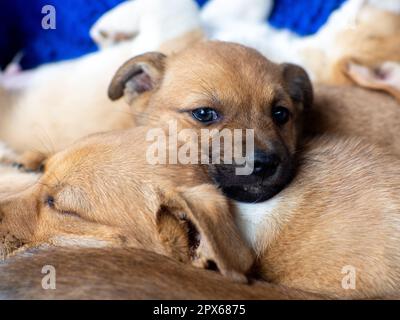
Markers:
point(218, 12)
point(117, 25)
point(31, 161)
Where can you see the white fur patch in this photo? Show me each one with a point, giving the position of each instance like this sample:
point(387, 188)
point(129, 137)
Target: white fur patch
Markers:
point(253, 219)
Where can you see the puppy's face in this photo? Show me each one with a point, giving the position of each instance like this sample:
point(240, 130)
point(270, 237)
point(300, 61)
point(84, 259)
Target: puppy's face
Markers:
point(223, 86)
point(101, 192)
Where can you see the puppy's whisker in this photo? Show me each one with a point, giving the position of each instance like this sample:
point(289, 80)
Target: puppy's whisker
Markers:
point(47, 145)
point(141, 114)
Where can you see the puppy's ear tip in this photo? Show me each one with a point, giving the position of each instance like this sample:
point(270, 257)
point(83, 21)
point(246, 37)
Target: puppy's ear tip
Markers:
point(348, 64)
point(299, 84)
point(142, 71)
point(115, 92)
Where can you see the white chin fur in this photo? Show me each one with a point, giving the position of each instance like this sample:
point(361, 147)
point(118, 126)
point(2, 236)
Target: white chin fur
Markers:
point(251, 218)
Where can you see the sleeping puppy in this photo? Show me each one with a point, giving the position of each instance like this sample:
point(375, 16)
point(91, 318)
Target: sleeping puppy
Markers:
point(335, 230)
point(102, 192)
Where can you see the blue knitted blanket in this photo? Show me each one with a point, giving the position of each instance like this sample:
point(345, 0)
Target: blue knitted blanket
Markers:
point(20, 26)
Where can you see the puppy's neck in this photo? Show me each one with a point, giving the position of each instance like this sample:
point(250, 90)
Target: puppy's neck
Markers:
point(260, 223)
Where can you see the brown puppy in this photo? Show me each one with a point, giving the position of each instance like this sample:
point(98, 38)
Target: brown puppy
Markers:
point(102, 192)
point(124, 274)
point(220, 85)
point(335, 229)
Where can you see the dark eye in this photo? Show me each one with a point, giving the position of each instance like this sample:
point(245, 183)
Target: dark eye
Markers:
point(50, 202)
point(280, 115)
point(205, 115)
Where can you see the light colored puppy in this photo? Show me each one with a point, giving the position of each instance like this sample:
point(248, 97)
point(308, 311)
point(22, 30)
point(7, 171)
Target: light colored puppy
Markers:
point(48, 108)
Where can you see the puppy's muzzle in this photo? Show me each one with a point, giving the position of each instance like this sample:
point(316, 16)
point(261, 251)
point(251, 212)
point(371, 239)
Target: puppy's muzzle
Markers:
point(272, 171)
point(265, 165)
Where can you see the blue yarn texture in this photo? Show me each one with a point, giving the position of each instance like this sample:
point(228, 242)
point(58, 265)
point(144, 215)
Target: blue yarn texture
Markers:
point(21, 30)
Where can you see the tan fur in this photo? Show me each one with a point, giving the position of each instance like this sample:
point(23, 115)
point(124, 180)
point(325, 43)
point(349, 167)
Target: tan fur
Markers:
point(342, 110)
point(244, 88)
point(356, 112)
point(342, 209)
point(103, 192)
point(236, 80)
point(124, 274)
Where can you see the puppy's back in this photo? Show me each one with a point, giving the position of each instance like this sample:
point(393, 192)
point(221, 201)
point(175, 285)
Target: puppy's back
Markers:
point(356, 112)
point(341, 213)
point(123, 274)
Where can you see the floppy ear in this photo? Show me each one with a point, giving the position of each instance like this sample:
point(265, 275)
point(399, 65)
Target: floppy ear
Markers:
point(198, 225)
point(298, 84)
point(138, 75)
point(385, 77)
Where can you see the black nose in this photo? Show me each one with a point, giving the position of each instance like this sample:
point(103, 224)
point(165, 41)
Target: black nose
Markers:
point(265, 165)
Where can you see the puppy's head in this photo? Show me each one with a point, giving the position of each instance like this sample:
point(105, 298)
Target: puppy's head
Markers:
point(217, 85)
point(101, 192)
